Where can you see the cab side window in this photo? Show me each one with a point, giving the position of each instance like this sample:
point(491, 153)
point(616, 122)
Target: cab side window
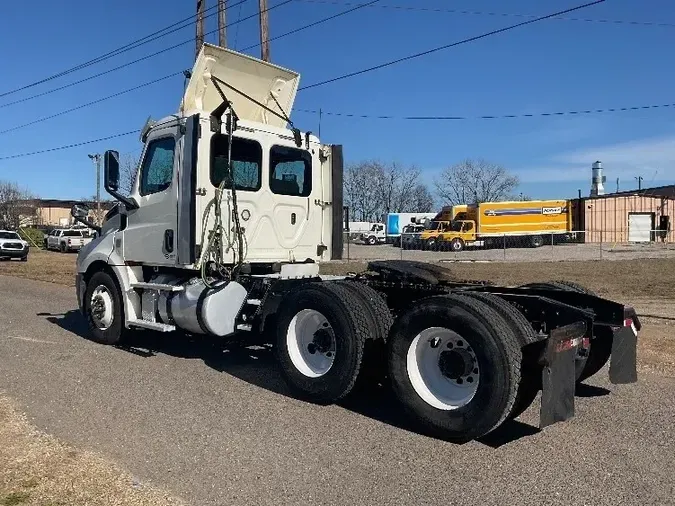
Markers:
point(157, 169)
point(290, 171)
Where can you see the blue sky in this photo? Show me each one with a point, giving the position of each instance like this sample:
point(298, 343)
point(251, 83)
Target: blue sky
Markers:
point(555, 65)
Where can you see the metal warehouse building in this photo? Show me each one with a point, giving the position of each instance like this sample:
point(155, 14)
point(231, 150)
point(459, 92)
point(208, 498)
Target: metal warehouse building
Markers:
point(644, 215)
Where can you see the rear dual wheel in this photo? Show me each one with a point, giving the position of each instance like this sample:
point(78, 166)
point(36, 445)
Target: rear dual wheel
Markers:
point(455, 363)
point(325, 331)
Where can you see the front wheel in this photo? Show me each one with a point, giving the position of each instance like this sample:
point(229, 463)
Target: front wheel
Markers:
point(103, 309)
point(371, 240)
point(457, 244)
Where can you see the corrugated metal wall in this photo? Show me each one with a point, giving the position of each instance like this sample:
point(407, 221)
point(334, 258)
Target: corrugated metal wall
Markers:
point(606, 219)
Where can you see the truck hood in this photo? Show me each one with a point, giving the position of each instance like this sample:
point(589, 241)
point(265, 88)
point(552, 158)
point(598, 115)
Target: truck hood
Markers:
point(256, 78)
point(13, 241)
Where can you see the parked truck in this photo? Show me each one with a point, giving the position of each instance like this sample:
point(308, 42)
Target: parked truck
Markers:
point(233, 211)
point(397, 223)
point(523, 223)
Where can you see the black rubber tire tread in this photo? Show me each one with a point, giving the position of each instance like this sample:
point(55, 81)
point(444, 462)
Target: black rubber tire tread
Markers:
point(599, 354)
point(374, 365)
point(502, 336)
point(601, 349)
point(574, 286)
point(439, 272)
point(116, 332)
point(530, 377)
point(335, 384)
point(373, 301)
point(403, 271)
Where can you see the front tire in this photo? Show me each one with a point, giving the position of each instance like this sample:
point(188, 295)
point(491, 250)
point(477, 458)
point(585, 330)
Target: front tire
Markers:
point(371, 240)
point(457, 245)
point(321, 334)
point(454, 364)
point(103, 309)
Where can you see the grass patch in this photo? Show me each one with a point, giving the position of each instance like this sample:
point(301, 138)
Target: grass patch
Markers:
point(15, 498)
point(38, 470)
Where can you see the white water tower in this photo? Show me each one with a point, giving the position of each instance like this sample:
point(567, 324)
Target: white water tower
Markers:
point(597, 180)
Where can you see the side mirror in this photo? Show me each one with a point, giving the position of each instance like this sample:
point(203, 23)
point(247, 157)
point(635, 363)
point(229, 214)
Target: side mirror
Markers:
point(79, 211)
point(111, 170)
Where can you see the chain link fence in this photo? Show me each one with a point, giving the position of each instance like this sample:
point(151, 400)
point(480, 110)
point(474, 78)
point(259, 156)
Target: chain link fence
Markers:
point(579, 245)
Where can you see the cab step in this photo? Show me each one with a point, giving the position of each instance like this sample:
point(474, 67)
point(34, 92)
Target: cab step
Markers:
point(157, 286)
point(159, 327)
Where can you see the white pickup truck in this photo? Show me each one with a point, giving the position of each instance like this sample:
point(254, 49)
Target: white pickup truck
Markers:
point(66, 240)
point(12, 246)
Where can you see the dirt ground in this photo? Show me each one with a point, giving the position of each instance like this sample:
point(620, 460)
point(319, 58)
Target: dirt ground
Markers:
point(36, 469)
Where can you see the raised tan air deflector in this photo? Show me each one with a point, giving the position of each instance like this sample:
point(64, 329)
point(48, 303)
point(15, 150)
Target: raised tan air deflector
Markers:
point(254, 77)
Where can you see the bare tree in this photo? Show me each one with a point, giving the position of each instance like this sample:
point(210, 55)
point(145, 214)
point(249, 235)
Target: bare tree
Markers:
point(17, 206)
point(361, 191)
point(475, 181)
point(128, 169)
point(373, 189)
point(422, 200)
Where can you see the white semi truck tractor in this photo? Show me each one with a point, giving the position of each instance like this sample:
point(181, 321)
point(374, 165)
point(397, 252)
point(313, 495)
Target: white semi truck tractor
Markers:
point(233, 211)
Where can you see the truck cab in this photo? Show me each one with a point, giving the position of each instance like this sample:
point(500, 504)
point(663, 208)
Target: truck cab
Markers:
point(453, 235)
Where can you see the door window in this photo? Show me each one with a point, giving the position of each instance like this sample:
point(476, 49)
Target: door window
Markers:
point(290, 171)
point(246, 162)
point(157, 170)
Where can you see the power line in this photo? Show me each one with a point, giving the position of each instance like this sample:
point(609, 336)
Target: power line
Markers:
point(122, 49)
point(315, 23)
point(496, 14)
point(143, 58)
point(68, 146)
point(411, 118)
point(88, 104)
point(580, 112)
point(446, 46)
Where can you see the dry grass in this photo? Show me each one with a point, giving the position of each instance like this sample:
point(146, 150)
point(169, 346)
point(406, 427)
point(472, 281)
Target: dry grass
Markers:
point(620, 279)
point(36, 469)
point(43, 266)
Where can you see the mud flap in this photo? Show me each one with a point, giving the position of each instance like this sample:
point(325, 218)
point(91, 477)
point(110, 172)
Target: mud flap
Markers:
point(558, 378)
point(623, 360)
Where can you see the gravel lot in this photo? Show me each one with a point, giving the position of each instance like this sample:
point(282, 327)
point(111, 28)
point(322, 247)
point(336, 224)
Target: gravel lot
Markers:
point(217, 426)
point(547, 253)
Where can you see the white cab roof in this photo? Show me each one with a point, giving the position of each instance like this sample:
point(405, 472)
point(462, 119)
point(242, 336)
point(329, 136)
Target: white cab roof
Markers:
point(258, 79)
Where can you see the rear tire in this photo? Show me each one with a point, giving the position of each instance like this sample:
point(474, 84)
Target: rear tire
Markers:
point(24, 259)
point(321, 334)
point(435, 347)
point(600, 347)
point(374, 369)
point(536, 241)
point(530, 378)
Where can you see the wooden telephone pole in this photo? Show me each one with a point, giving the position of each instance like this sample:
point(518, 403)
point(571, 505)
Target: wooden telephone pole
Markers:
point(199, 39)
point(222, 36)
point(264, 32)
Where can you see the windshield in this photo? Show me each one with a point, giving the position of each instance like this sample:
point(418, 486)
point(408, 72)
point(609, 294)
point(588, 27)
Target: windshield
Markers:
point(9, 235)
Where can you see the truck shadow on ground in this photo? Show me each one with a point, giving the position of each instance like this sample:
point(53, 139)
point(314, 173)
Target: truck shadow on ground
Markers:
point(257, 365)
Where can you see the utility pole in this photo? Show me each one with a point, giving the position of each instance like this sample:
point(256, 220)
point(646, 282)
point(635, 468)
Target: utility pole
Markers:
point(264, 32)
point(199, 39)
point(639, 180)
point(617, 185)
point(222, 35)
point(97, 160)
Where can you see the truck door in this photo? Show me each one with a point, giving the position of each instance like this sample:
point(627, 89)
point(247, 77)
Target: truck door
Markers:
point(295, 183)
point(150, 235)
